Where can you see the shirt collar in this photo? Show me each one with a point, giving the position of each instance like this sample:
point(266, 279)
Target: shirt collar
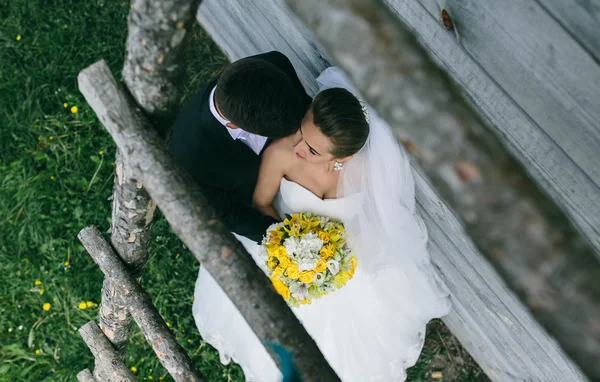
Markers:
point(235, 133)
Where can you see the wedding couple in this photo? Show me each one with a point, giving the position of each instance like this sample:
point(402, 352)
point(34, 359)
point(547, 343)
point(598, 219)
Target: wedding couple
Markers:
point(261, 148)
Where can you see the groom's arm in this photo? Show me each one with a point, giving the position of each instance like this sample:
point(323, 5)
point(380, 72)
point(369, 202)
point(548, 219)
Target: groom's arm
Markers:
point(237, 216)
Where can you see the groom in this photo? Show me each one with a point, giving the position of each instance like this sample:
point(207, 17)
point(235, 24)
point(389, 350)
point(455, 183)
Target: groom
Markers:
point(222, 131)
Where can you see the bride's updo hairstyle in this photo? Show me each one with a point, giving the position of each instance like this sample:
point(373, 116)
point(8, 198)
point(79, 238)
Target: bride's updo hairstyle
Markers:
point(339, 116)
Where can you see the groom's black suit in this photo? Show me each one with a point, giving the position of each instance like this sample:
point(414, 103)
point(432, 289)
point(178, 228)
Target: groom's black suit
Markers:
point(224, 168)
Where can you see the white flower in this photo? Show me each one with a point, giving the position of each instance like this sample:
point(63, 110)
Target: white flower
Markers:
point(319, 279)
point(301, 292)
point(20, 327)
point(333, 266)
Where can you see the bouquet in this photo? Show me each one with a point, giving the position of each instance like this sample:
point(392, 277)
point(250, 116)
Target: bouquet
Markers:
point(306, 257)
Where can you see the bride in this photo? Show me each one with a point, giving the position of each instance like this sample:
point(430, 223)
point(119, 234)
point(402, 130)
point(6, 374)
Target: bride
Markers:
point(344, 164)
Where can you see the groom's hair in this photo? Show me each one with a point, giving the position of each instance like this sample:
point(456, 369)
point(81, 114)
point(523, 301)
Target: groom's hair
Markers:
point(257, 96)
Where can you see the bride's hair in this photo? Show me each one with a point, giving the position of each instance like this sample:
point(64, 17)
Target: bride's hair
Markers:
point(340, 117)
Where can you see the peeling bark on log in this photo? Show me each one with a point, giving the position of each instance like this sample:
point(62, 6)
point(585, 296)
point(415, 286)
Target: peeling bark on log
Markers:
point(85, 375)
point(191, 217)
point(539, 252)
point(108, 365)
point(161, 339)
point(155, 55)
point(153, 72)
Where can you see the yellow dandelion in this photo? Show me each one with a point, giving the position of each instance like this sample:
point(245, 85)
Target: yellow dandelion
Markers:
point(161, 377)
point(142, 360)
point(67, 263)
point(51, 177)
point(74, 109)
point(51, 137)
point(18, 38)
point(82, 305)
point(46, 306)
point(65, 105)
point(150, 378)
point(89, 304)
point(37, 351)
point(100, 152)
point(41, 291)
point(168, 324)
point(189, 341)
point(38, 282)
point(134, 369)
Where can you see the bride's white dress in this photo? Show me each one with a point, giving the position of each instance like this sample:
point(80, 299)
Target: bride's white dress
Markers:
point(374, 327)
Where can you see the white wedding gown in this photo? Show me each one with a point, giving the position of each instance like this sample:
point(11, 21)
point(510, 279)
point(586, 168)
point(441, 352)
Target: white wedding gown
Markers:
point(373, 328)
point(370, 330)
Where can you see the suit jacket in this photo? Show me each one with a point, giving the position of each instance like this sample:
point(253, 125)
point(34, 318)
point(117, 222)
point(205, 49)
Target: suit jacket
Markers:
point(225, 169)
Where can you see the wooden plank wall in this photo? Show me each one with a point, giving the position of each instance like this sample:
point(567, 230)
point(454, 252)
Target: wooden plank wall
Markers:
point(529, 88)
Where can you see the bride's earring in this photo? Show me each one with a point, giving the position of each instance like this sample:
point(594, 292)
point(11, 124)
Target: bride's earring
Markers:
point(338, 166)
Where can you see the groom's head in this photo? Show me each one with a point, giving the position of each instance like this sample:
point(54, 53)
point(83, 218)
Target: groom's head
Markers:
point(258, 97)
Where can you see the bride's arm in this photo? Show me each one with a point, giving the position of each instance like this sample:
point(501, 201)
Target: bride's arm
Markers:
point(272, 169)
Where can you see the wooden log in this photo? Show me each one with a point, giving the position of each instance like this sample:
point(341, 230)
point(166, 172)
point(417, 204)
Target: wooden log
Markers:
point(192, 219)
point(521, 231)
point(154, 66)
point(85, 375)
point(109, 366)
point(153, 72)
point(170, 354)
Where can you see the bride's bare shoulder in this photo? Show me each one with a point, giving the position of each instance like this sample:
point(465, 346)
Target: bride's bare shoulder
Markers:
point(280, 151)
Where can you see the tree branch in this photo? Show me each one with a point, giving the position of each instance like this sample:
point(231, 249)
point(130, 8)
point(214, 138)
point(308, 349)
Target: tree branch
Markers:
point(190, 216)
point(85, 375)
point(109, 366)
point(169, 352)
point(539, 252)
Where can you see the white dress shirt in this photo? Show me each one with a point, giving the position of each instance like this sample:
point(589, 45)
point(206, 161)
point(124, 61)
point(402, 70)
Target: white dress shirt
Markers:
point(255, 142)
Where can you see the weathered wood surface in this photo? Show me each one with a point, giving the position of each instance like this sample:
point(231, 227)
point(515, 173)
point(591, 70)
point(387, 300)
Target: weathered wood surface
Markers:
point(153, 73)
point(492, 324)
point(108, 364)
point(580, 18)
point(534, 84)
point(85, 375)
point(170, 354)
point(191, 217)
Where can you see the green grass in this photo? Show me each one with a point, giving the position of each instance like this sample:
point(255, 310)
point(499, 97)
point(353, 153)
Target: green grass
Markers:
point(56, 175)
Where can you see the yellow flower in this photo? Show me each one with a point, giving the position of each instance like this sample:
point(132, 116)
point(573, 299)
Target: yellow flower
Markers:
point(327, 251)
point(51, 177)
point(37, 351)
point(281, 288)
point(169, 324)
point(67, 263)
point(304, 301)
point(74, 109)
point(89, 304)
point(150, 378)
point(100, 152)
point(41, 291)
point(284, 261)
point(51, 137)
point(353, 262)
point(324, 237)
point(321, 265)
point(65, 105)
point(292, 271)
point(46, 306)
point(271, 262)
point(82, 305)
point(341, 279)
point(18, 38)
point(161, 377)
point(37, 282)
point(307, 276)
point(274, 237)
point(134, 369)
point(277, 272)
